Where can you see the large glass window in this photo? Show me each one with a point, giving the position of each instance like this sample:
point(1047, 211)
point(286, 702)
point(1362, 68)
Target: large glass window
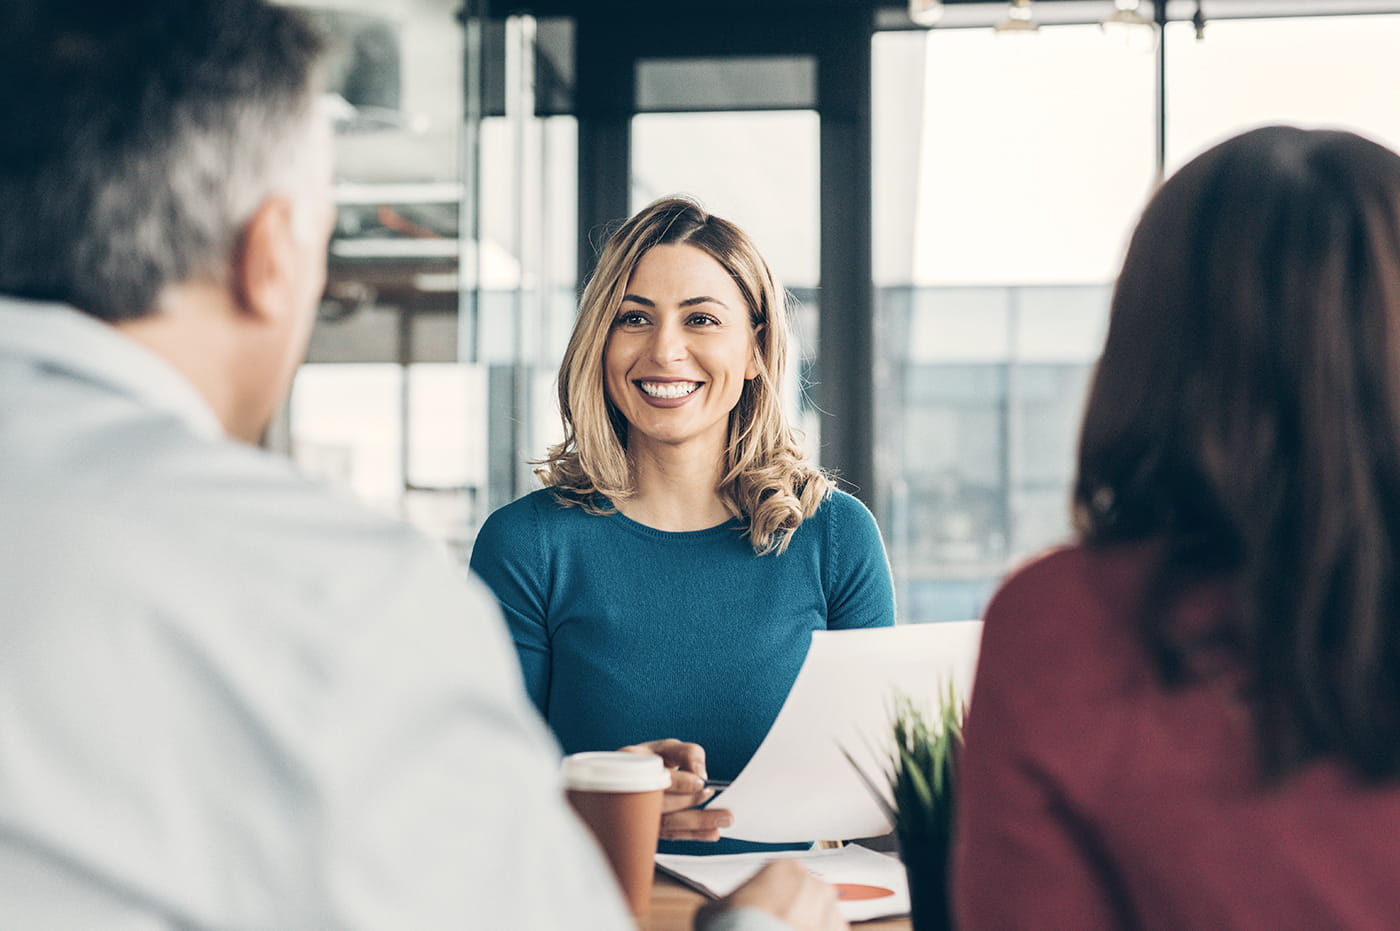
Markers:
point(1309, 71)
point(359, 405)
point(1008, 173)
point(1008, 177)
point(428, 385)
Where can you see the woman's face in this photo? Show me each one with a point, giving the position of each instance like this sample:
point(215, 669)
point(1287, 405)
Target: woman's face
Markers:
point(680, 349)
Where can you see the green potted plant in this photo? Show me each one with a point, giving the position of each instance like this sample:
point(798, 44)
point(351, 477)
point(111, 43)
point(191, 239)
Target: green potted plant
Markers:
point(918, 796)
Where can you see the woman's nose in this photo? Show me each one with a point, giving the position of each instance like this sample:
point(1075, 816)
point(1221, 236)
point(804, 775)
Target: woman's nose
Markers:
point(668, 343)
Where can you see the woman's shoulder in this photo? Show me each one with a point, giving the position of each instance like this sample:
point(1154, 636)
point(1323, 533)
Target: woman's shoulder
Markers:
point(1070, 593)
point(1075, 568)
point(517, 521)
point(542, 513)
point(1047, 567)
point(525, 531)
point(843, 509)
point(512, 514)
point(845, 522)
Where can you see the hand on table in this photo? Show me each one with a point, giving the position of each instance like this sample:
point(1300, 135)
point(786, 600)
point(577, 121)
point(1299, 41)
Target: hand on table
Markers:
point(785, 889)
point(680, 819)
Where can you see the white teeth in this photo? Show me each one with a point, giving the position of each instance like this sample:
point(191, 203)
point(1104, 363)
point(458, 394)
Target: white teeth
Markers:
point(669, 389)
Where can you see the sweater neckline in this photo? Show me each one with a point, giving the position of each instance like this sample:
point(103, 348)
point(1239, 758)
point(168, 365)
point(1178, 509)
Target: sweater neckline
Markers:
point(678, 536)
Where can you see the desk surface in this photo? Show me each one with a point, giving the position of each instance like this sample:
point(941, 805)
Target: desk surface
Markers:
point(673, 908)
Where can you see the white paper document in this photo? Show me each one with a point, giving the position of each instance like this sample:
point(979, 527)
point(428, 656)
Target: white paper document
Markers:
point(799, 786)
point(869, 884)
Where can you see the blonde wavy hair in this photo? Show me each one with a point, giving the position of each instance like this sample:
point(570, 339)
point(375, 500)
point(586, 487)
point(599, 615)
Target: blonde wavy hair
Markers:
point(768, 480)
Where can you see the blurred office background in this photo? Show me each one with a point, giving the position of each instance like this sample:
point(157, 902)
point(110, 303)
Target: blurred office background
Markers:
point(947, 202)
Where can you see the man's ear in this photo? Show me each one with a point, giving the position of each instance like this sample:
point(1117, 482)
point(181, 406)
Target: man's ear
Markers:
point(264, 264)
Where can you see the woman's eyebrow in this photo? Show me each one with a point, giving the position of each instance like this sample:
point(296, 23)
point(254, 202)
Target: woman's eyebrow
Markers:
point(688, 302)
point(703, 299)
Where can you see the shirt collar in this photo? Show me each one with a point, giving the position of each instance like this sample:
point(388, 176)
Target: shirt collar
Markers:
point(60, 337)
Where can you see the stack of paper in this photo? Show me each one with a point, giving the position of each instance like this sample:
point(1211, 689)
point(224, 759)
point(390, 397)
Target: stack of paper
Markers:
point(870, 884)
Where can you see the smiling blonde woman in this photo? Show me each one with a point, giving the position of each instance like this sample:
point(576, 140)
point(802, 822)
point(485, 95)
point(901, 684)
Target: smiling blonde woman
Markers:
point(668, 577)
point(767, 478)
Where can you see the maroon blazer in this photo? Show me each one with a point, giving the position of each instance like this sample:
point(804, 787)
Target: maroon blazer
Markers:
point(1092, 797)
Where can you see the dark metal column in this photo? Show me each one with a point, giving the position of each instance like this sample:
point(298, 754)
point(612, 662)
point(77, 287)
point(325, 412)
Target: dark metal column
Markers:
point(604, 96)
point(846, 338)
point(607, 47)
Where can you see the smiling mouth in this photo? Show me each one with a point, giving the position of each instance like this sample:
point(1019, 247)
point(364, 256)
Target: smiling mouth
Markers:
point(668, 390)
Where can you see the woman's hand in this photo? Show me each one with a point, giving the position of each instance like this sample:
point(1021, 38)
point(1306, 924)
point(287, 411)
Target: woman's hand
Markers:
point(680, 819)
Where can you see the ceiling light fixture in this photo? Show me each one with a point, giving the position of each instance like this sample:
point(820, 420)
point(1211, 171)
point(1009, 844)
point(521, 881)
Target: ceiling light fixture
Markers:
point(925, 12)
point(1127, 13)
point(1128, 26)
point(1019, 20)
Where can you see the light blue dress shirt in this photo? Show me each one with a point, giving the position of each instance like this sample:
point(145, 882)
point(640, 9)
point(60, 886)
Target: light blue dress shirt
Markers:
point(230, 699)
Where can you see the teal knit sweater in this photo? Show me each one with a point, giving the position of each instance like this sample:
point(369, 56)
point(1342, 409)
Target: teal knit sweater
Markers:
point(627, 634)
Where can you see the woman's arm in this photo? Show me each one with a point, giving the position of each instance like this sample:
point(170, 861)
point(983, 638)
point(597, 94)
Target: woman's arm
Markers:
point(509, 558)
point(860, 591)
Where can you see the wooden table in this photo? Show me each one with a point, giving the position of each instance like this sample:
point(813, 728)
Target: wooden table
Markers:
point(673, 908)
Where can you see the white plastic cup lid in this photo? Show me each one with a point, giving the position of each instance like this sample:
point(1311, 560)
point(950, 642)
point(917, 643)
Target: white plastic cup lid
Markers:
point(615, 771)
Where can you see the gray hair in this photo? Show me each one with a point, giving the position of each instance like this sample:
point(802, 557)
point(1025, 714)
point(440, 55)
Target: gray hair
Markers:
point(142, 141)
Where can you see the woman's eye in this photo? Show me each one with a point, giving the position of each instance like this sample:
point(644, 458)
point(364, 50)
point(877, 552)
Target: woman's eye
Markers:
point(631, 318)
point(702, 320)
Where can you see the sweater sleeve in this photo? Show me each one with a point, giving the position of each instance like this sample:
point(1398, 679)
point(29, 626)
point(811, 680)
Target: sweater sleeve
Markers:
point(859, 590)
point(1023, 857)
point(508, 557)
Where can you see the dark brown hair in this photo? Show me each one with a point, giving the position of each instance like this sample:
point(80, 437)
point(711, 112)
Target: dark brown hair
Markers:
point(1246, 413)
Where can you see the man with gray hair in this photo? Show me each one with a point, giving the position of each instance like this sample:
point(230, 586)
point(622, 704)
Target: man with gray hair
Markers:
point(228, 698)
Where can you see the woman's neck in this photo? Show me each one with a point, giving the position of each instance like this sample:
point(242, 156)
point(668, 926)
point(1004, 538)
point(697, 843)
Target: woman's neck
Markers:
point(676, 490)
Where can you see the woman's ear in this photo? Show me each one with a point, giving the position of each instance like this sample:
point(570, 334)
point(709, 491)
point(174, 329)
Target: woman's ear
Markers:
point(756, 358)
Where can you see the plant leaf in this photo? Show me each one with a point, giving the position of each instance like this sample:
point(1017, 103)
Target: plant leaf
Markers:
point(886, 805)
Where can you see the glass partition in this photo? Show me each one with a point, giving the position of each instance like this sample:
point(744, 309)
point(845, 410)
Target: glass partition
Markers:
point(1023, 164)
point(1310, 71)
point(1009, 173)
point(428, 383)
point(1006, 176)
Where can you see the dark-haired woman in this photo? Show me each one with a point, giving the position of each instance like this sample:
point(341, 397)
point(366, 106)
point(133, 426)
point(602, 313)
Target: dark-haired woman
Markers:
point(1217, 743)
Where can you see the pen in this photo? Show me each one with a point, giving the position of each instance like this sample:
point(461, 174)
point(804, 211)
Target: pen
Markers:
point(716, 783)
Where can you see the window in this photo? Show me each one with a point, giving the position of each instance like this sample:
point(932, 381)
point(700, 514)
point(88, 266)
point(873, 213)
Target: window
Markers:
point(1009, 173)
